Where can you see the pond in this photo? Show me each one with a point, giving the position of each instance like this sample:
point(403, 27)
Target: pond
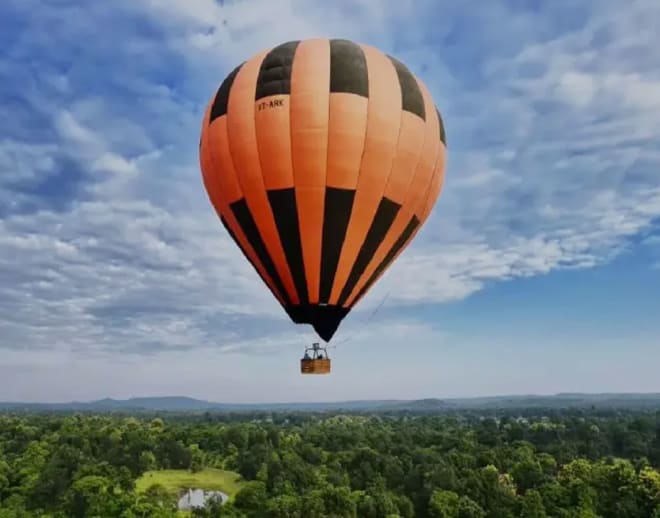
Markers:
point(197, 498)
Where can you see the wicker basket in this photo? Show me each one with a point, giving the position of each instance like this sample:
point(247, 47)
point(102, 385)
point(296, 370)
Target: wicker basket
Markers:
point(318, 366)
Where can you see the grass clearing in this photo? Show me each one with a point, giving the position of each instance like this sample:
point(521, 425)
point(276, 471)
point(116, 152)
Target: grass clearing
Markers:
point(175, 480)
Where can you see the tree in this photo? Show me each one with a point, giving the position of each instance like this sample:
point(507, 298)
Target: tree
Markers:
point(576, 477)
point(649, 489)
point(527, 474)
point(285, 506)
point(468, 508)
point(405, 506)
point(338, 502)
point(147, 461)
point(252, 498)
point(158, 496)
point(197, 460)
point(532, 505)
point(93, 495)
point(4, 479)
point(313, 505)
point(56, 477)
point(375, 503)
point(444, 504)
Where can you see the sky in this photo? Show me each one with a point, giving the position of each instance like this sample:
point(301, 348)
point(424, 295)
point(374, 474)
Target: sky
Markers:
point(537, 272)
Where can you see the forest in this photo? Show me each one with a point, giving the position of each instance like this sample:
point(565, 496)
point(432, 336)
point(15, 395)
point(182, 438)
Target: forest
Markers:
point(530, 464)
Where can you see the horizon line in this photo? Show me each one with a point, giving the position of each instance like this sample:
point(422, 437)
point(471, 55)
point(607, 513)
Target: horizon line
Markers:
point(338, 401)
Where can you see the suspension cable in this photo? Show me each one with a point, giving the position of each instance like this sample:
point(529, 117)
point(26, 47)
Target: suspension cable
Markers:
point(364, 322)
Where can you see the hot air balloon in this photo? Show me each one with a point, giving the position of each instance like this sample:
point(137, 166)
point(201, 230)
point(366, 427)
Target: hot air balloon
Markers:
point(323, 158)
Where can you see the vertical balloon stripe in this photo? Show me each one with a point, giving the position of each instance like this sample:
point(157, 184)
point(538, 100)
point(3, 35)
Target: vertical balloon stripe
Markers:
point(429, 158)
point(387, 211)
point(439, 166)
point(272, 126)
point(243, 215)
point(272, 120)
point(209, 173)
point(436, 183)
point(347, 130)
point(222, 186)
point(285, 211)
point(406, 158)
point(396, 248)
point(419, 191)
point(273, 129)
point(310, 80)
point(411, 230)
point(241, 130)
point(411, 96)
point(348, 68)
point(223, 166)
point(347, 116)
point(222, 96)
point(409, 233)
point(383, 124)
point(409, 148)
point(414, 198)
point(443, 136)
point(347, 127)
point(338, 206)
point(248, 252)
point(275, 71)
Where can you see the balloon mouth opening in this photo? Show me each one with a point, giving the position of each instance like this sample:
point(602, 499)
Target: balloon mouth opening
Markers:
point(324, 318)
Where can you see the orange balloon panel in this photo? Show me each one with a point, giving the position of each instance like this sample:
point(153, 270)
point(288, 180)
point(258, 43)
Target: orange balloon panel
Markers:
point(323, 158)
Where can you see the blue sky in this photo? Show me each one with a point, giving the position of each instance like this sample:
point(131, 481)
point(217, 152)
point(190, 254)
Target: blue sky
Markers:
point(538, 272)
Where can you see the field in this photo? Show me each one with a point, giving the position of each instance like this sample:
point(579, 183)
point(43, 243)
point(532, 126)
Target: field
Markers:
point(174, 480)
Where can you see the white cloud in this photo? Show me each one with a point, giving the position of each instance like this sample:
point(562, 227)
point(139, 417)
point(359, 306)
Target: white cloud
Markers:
point(112, 275)
point(22, 161)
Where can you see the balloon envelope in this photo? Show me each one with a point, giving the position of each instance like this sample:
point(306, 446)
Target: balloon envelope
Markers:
point(322, 158)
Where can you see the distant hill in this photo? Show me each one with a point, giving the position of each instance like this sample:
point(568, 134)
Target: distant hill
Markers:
point(186, 404)
point(180, 403)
